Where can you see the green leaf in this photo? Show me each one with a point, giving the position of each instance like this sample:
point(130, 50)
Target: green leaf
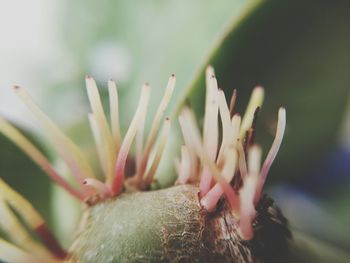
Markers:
point(161, 37)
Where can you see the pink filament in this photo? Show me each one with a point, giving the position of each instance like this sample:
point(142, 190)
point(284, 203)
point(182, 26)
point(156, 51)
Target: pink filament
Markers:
point(118, 180)
point(205, 182)
point(210, 200)
point(281, 125)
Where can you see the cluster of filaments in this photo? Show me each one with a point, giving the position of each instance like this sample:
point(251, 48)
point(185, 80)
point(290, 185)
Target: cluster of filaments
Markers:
point(216, 165)
point(205, 160)
point(113, 151)
point(17, 217)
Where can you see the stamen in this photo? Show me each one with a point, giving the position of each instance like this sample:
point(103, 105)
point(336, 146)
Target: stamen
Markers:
point(114, 112)
point(67, 149)
point(210, 132)
point(230, 164)
point(233, 102)
point(27, 147)
point(210, 129)
point(191, 129)
point(18, 234)
point(241, 160)
point(98, 186)
point(50, 242)
point(224, 112)
point(11, 253)
point(159, 152)
point(139, 142)
point(255, 101)
point(247, 210)
point(248, 192)
point(31, 217)
point(106, 136)
point(156, 122)
point(21, 205)
point(250, 134)
point(190, 145)
point(98, 142)
point(210, 200)
point(236, 124)
point(205, 182)
point(254, 160)
point(209, 73)
point(226, 125)
point(281, 125)
point(231, 195)
point(125, 147)
point(187, 120)
point(185, 166)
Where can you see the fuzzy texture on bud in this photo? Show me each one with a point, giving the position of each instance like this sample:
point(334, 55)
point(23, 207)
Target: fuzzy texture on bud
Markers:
point(170, 225)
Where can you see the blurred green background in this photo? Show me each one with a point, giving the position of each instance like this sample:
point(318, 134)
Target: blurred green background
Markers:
point(298, 50)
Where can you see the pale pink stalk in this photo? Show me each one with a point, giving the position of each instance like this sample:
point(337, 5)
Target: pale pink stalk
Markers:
point(247, 209)
point(194, 161)
point(106, 137)
point(67, 149)
point(37, 156)
point(11, 253)
point(227, 129)
point(184, 170)
point(18, 233)
point(148, 178)
point(98, 186)
point(118, 179)
point(114, 112)
point(241, 160)
point(210, 131)
point(256, 100)
point(98, 141)
point(156, 123)
point(209, 201)
point(190, 129)
point(281, 126)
